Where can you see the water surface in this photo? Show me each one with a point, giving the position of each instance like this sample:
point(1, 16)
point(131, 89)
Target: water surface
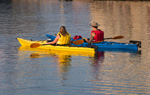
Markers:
point(29, 72)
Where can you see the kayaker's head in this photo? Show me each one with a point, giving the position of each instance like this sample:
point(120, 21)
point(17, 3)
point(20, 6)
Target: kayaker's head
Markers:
point(63, 30)
point(95, 25)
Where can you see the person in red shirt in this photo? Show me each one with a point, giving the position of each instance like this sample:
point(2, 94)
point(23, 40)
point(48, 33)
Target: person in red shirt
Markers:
point(97, 35)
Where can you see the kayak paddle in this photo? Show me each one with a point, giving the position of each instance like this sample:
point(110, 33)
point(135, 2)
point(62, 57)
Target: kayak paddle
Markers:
point(117, 37)
point(78, 42)
point(35, 45)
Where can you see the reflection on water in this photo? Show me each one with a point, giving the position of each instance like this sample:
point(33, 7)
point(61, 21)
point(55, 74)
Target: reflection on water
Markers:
point(34, 72)
point(64, 67)
point(96, 64)
point(115, 76)
point(98, 58)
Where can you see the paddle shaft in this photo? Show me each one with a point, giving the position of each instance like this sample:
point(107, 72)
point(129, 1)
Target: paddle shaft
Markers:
point(107, 38)
point(116, 37)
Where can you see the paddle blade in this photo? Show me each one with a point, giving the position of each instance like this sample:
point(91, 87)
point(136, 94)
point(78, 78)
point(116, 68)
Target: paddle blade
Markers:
point(78, 42)
point(35, 45)
point(118, 37)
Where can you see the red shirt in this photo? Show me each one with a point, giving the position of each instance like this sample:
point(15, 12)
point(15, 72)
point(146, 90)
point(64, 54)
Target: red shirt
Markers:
point(99, 35)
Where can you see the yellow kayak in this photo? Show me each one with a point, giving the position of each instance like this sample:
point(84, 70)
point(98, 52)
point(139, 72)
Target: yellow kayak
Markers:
point(27, 43)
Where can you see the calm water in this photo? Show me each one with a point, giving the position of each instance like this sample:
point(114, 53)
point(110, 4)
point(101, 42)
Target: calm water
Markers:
point(25, 72)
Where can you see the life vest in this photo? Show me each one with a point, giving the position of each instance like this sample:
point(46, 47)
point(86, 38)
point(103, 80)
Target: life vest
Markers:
point(99, 35)
point(64, 40)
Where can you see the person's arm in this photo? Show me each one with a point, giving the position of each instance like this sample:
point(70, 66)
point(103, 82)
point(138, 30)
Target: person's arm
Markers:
point(55, 41)
point(91, 38)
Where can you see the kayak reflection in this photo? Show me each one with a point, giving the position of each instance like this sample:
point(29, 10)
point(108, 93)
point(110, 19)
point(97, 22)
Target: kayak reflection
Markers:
point(96, 63)
point(99, 57)
point(64, 64)
point(62, 59)
point(36, 52)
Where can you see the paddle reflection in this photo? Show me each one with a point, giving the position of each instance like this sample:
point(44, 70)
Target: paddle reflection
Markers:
point(35, 55)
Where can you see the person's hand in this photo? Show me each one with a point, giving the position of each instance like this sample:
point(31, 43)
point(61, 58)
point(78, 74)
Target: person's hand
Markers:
point(86, 39)
point(48, 43)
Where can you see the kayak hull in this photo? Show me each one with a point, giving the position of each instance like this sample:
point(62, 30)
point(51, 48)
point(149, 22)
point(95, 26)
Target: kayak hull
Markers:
point(45, 52)
point(27, 43)
point(116, 46)
point(107, 46)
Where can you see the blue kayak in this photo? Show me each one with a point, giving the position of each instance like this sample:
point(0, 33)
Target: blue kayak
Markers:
point(109, 46)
